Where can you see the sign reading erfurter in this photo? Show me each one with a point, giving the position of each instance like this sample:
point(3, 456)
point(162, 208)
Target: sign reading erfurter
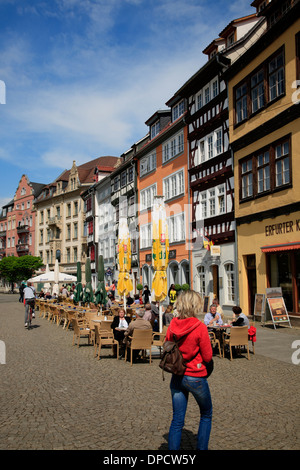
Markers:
point(282, 228)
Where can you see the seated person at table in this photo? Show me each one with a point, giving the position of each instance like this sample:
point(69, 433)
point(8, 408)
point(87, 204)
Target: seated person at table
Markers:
point(148, 315)
point(212, 316)
point(110, 301)
point(119, 325)
point(140, 324)
point(241, 320)
point(129, 300)
point(155, 311)
point(168, 315)
point(137, 299)
point(216, 303)
point(41, 294)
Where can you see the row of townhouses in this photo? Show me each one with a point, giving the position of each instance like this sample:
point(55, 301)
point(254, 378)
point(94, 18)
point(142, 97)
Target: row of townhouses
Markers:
point(225, 155)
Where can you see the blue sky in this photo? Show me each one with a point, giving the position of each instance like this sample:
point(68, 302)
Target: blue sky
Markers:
point(82, 76)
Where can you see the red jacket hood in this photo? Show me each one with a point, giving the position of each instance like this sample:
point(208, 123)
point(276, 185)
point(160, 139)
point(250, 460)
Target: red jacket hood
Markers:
point(183, 326)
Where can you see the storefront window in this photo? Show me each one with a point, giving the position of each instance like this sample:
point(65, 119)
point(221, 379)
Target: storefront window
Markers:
point(281, 276)
point(298, 278)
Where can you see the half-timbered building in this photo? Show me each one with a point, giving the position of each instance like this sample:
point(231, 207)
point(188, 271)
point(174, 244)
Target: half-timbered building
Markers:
point(211, 178)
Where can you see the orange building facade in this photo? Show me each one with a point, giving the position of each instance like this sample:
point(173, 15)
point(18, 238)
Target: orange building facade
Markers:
point(163, 171)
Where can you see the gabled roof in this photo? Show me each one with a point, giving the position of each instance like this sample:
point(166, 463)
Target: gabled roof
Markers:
point(37, 188)
point(86, 171)
point(234, 23)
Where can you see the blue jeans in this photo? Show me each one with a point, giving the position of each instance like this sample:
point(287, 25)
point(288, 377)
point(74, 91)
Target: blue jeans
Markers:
point(27, 302)
point(180, 387)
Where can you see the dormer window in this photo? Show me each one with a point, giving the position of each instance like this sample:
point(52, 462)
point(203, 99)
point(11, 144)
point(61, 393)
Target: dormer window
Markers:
point(155, 128)
point(178, 110)
point(230, 39)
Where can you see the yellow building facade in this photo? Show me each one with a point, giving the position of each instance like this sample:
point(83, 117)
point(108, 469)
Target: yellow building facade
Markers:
point(264, 120)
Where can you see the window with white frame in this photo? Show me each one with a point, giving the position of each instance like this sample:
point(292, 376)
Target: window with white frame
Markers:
point(207, 93)
point(215, 88)
point(199, 101)
point(112, 247)
point(210, 146)
point(147, 197)
point(148, 163)
point(173, 185)
point(123, 178)
point(212, 202)
point(201, 274)
point(178, 110)
point(131, 206)
point(123, 207)
point(176, 226)
point(230, 287)
point(173, 147)
point(155, 128)
point(145, 236)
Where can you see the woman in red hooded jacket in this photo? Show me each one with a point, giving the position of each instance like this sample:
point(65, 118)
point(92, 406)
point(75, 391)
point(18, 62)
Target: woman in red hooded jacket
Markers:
point(195, 346)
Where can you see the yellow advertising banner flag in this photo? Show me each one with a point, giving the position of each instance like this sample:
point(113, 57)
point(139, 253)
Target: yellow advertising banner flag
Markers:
point(160, 249)
point(124, 255)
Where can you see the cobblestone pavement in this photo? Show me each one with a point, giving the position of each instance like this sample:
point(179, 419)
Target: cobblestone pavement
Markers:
point(57, 396)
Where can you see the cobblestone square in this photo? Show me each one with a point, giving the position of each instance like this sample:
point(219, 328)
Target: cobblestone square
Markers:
point(55, 396)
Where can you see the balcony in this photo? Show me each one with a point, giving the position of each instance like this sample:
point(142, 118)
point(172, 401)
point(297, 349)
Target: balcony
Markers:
point(22, 248)
point(56, 220)
point(23, 229)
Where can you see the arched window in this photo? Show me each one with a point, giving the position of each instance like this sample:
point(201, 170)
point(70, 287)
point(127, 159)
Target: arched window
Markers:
point(185, 272)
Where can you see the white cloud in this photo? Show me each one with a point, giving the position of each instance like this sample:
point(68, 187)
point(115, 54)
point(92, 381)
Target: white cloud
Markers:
point(88, 92)
point(3, 201)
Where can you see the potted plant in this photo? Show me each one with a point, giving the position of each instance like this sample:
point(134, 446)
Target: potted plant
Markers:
point(185, 287)
point(139, 287)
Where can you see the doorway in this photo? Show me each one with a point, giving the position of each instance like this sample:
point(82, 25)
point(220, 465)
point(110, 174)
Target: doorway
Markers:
point(252, 284)
point(215, 280)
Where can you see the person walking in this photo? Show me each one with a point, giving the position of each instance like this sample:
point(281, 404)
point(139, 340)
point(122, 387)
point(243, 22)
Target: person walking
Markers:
point(21, 291)
point(29, 297)
point(195, 346)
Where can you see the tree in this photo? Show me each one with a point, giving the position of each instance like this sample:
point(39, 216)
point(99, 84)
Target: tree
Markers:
point(14, 268)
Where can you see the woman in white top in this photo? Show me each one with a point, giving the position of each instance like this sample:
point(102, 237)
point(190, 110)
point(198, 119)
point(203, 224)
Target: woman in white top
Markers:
point(119, 325)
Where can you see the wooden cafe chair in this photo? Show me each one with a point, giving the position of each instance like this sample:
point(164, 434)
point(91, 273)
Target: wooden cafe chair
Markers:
point(237, 337)
point(141, 340)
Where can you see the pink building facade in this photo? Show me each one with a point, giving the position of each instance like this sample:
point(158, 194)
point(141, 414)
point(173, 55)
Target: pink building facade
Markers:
point(17, 224)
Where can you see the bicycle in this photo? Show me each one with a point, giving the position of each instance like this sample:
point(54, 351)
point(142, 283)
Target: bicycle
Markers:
point(30, 315)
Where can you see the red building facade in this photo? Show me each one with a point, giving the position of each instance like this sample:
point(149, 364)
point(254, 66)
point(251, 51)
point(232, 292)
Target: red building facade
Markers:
point(17, 224)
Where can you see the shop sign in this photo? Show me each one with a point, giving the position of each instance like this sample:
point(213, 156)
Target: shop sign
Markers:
point(215, 250)
point(282, 228)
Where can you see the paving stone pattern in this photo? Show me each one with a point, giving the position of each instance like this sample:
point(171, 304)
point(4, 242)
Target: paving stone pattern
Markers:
point(57, 396)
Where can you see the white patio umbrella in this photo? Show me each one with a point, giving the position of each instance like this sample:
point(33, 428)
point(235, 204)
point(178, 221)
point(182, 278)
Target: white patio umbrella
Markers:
point(55, 288)
point(49, 277)
point(47, 285)
point(53, 276)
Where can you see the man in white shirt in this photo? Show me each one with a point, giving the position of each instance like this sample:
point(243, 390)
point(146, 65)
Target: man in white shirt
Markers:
point(213, 317)
point(29, 297)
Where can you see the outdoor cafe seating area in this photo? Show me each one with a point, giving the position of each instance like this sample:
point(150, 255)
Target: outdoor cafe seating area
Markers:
point(91, 326)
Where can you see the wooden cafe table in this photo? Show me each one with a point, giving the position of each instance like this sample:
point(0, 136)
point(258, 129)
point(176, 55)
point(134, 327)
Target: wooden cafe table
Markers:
point(219, 330)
